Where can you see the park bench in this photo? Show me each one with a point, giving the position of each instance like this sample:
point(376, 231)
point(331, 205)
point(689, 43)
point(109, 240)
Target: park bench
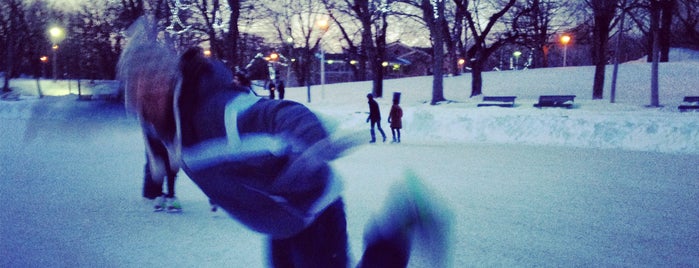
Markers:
point(689, 103)
point(502, 101)
point(555, 101)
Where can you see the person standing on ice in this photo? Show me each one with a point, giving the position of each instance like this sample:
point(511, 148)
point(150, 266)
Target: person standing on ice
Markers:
point(265, 162)
point(395, 118)
point(374, 118)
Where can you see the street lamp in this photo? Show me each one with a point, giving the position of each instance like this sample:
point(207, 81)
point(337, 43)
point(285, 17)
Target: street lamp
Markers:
point(565, 39)
point(461, 63)
point(57, 34)
point(323, 25)
point(517, 54)
point(290, 45)
point(44, 60)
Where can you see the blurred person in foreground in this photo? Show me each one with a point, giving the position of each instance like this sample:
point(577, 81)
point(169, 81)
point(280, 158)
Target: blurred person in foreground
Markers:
point(146, 71)
point(265, 162)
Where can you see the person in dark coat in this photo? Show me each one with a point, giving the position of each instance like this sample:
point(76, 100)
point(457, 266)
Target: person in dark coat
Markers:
point(374, 118)
point(266, 163)
point(395, 120)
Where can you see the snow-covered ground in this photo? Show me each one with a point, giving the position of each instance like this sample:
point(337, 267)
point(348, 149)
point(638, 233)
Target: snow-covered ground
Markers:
point(598, 185)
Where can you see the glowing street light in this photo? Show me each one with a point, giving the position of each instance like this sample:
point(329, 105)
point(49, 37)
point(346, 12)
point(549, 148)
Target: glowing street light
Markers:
point(517, 54)
point(44, 60)
point(57, 34)
point(461, 63)
point(323, 25)
point(565, 39)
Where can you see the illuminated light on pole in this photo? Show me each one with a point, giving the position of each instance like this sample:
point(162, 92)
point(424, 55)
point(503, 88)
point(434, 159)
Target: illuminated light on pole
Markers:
point(44, 60)
point(57, 34)
point(565, 39)
point(517, 54)
point(207, 53)
point(323, 25)
point(290, 43)
point(461, 63)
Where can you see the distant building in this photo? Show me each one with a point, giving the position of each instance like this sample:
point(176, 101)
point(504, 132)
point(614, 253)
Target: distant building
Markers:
point(405, 61)
point(400, 61)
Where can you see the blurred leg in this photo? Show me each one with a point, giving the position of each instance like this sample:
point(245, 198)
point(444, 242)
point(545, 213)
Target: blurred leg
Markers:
point(322, 244)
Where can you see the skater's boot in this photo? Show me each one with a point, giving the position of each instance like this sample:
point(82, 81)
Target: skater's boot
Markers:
point(173, 205)
point(159, 203)
point(410, 212)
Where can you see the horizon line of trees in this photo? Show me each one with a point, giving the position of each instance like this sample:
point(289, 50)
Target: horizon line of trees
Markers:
point(477, 31)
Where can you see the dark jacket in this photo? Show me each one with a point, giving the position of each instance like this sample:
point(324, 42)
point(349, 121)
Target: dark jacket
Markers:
point(374, 113)
point(253, 157)
point(395, 116)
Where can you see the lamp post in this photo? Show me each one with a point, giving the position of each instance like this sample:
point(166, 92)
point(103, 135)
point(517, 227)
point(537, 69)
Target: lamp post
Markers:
point(565, 39)
point(323, 25)
point(290, 43)
point(44, 60)
point(517, 53)
point(56, 33)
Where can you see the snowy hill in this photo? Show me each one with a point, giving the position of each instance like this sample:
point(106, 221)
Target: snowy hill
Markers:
point(626, 124)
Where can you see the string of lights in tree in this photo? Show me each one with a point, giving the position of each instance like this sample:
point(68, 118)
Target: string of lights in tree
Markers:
point(177, 26)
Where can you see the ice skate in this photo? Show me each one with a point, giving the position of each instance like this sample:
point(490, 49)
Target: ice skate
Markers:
point(159, 204)
point(173, 205)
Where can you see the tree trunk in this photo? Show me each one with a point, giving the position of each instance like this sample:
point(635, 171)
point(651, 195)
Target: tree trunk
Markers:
point(438, 55)
point(604, 13)
point(476, 79)
point(655, 32)
point(231, 38)
point(668, 6)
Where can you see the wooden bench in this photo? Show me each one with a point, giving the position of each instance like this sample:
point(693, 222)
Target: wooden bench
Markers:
point(689, 103)
point(502, 101)
point(555, 101)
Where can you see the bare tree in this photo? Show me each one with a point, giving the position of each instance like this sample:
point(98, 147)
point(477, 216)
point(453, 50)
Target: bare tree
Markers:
point(433, 16)
point(298, 21)
point(484, 44)
point(604, 12)
point(232, 35)
point(345, 16)
point(437, 24)
point(686, 29)
point(538, 26)
point(455, 35)
point(12, 12)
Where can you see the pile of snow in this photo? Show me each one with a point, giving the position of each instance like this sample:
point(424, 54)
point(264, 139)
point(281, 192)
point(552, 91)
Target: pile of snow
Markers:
point(626, 124)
